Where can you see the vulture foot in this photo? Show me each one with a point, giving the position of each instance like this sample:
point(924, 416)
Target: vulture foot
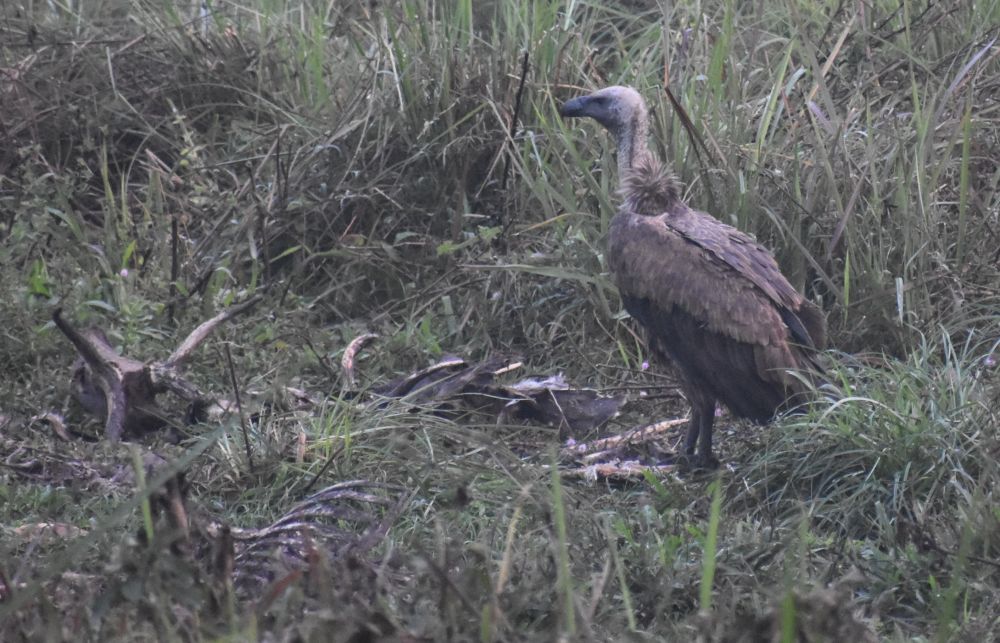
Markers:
point(696, 462)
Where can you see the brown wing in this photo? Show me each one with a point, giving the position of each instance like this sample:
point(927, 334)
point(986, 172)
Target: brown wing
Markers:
point(650, 189)
point(715, 274)
point(738, 251)
point(754, 262)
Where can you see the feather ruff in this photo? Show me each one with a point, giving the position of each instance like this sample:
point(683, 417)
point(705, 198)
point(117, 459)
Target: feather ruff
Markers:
point(649, 187)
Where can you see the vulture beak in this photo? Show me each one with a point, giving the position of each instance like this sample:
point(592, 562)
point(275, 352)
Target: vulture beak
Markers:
point(578, 106)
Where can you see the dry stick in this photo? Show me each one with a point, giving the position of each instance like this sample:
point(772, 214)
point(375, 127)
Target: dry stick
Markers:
point(281, 177)
point(695, 138)
point(84, 347)
point(347, 361)
point(174, 268)
point(109, 369)
point(913, 23)
point(322, 361)
point(512, 133)
point(223, 566)
point(623, 470)
point(514, 118)
point(274, 196)
point(322, 470)
point(239, 405)
point(832, 21)
point(689, 127)
point(198, 335)
point(633, 436)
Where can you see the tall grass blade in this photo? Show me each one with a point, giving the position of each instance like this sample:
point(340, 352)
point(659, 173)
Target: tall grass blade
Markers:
point(564, 578)
point(709, 549)
point(963, 185)
point(764, 125)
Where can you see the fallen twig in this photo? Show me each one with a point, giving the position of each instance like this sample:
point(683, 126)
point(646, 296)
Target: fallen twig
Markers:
point(123, 390)
point(347, 361)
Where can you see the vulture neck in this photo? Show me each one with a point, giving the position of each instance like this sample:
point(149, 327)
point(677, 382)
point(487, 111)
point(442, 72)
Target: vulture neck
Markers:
point(647, 186)
point(631, 138)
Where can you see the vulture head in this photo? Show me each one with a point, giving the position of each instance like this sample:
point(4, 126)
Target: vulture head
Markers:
point(617, 108)
point(647, 187)
point(622, 111)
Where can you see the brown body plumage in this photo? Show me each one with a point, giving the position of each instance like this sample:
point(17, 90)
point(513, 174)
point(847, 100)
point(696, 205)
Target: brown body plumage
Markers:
point(711, 298)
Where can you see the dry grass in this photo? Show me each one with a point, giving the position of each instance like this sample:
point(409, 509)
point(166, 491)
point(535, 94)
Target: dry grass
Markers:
point(358, 166)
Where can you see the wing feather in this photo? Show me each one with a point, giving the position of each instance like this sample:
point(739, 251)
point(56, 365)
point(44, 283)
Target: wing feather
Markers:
point(720, 277)
point(654, 260)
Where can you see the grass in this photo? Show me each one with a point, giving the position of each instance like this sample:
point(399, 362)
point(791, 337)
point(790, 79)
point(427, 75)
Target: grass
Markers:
point(348, 162)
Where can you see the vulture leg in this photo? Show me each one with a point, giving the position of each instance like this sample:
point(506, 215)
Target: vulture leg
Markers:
point(705, 457)
point(700, 433)
point(694, 430)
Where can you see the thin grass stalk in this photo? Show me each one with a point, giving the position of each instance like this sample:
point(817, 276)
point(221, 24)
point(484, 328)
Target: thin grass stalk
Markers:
point(948, 618)
point(711, 542)
point(963, 184)
point(564, 580)
point(787, 615)
point(764, 125)
point(139, 469)
point(622, 580)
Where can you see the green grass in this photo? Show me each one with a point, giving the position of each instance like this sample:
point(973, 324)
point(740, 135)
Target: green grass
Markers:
point(347, 162)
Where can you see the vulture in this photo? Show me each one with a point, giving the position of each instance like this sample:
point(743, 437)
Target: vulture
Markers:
point(711, 299)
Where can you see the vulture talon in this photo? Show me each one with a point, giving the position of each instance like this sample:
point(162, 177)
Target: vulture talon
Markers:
point(694, 463)
point(712, 300)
